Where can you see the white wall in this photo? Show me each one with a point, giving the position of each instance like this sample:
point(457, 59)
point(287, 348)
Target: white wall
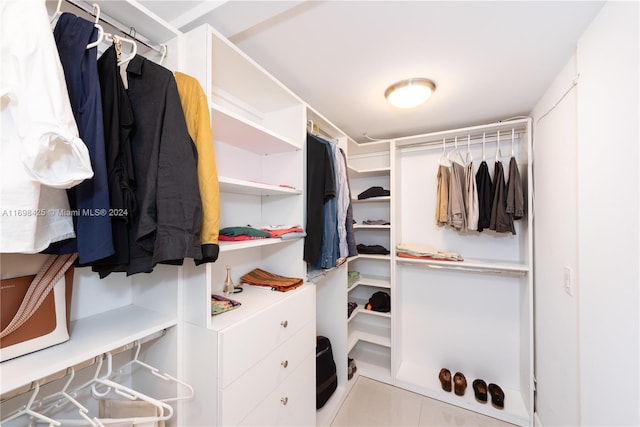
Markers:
point(556, 247)
point(589, 219)
point(608, 217)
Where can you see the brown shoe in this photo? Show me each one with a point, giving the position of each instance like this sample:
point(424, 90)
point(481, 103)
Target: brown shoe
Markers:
point(445, 379)
point(459, 384)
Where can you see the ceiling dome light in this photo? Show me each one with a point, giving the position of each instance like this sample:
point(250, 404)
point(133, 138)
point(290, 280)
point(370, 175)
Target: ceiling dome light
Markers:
point(410, 93)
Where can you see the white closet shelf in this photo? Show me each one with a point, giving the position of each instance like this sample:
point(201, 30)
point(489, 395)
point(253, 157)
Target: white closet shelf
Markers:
point(361, 310)
point(372, 364)
point(253, 299)
point(372, 200)
point(473, 265)
point(424, 380)
point(371, 227)
point(229, 127)
point(364, 173)
point(371, 256)
point(380, 282)
point(245, 244)
point(373, 338)
point(252, 188)
point(90, 337)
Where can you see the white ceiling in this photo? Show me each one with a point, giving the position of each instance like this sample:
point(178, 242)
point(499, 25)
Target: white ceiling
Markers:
point(490, 60)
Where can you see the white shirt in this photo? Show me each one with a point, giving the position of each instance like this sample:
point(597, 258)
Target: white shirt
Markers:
point(41, 153)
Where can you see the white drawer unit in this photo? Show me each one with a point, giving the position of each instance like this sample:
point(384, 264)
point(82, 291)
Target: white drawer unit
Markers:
point(289, 404)
point(245, 343)
point(247, 391)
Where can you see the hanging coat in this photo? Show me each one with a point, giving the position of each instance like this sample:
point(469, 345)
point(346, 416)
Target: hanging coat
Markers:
point(320, 187)
point(42, 154)
point(169, 214)
point(118, 129)
point(196, 113)
point(90, 199)
point(485, 199)
point(442, 194)
point(501, 221)
point(515, 198)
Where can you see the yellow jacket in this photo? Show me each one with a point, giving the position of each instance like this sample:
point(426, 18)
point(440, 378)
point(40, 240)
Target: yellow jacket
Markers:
point(196, 113)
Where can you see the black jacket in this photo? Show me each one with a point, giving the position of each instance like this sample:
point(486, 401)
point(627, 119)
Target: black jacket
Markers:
point(166, 228)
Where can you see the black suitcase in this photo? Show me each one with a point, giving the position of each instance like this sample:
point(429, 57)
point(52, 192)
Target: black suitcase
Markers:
point(326, 378)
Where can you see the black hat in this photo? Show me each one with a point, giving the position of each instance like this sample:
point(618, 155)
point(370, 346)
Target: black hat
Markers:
point(379, 301)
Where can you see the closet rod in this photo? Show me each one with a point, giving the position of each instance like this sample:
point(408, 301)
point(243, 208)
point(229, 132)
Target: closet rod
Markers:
point(78, 366)
point(157, 47)
point(462, 140)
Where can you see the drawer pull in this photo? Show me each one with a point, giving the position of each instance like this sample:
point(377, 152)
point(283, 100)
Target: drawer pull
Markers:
point(285, 363)
point(284, 323)
point(284, 400)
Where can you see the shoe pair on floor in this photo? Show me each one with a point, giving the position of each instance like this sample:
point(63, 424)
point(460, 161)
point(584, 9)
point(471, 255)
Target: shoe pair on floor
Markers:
point(480, 388)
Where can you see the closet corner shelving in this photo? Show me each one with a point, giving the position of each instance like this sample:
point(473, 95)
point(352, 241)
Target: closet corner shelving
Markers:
point(259, 141)
point(371, 333)
point(331, 298)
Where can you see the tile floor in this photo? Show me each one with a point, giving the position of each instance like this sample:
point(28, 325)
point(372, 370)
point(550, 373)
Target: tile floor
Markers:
point(371, 403)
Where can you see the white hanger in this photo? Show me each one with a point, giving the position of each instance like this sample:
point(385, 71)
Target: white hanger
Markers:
point(28, 411)
point(498, 152)
point(444, 157)
point(484, 134)
point(156, 372)
point(164, 53)
point(469, 157)
point(513, 137)
point(165, 410)
point(83, 411)
point(57, 13)
point(457, 152)
point(96, 12)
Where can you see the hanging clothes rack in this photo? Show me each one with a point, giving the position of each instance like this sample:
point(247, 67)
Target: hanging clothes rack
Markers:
point(130, 32)
point(472, 139)
point(79, 366)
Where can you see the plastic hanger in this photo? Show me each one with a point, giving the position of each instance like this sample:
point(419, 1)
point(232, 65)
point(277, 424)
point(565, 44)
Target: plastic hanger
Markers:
point(513, 138)
point(156, 372)
point(163, 53)
point(498, 152)
point(457, 152)
point(28, 411)
point(164, 409)
point(484, 135)
point(444, 157)
point(469, 157)
point(66, 397)
point(57, 13)
point(96, 12)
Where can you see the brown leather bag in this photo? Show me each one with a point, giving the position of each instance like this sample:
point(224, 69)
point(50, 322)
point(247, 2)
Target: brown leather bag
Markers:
point(35, 309)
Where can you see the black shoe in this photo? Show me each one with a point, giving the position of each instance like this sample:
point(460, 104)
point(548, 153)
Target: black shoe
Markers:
point(497, 396)
point(480, 390)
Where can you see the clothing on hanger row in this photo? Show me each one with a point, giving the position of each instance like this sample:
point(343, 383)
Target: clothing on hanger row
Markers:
point(468, 203)
point(127, 158)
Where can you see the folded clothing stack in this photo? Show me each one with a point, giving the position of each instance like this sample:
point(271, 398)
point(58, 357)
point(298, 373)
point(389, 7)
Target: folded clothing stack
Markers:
point(373, 192)
point(418, 251)
point(232, 234)
point(259, 277)
point(372, 249)
point(352, 277)
point(284, 231)
point(350, 307)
